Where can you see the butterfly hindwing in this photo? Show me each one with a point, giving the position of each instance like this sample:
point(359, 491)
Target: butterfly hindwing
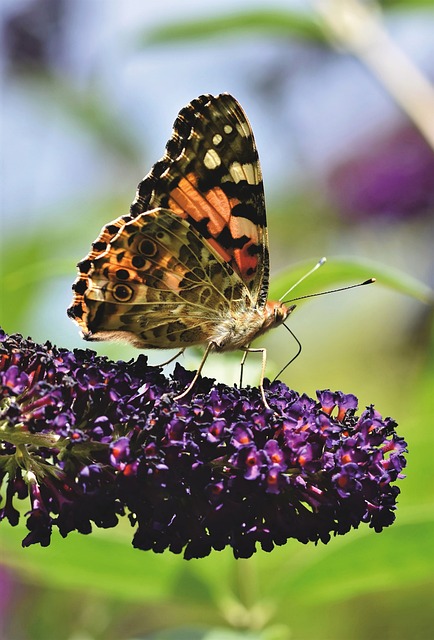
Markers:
point(158, 285)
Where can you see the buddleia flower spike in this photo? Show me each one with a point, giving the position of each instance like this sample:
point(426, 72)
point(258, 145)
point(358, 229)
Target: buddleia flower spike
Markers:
point(87, 441)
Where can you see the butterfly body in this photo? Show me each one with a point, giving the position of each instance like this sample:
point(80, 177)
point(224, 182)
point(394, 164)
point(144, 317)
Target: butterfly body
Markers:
point(240, 329)
point(189, 264)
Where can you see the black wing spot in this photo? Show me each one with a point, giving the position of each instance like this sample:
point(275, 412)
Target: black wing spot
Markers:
point(226, 240)
point(138, 262)
point(201, 226)
point(245, 210)
point(80, 286)
point(254, 249)
point(84, 265)
point(99, 246)
point(76, 311)
point(122, 274)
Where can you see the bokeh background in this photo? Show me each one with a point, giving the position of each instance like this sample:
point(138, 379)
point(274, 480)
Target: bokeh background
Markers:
point(339, 96)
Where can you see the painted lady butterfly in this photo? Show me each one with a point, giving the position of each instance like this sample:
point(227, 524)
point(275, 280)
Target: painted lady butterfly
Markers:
point(189, 264)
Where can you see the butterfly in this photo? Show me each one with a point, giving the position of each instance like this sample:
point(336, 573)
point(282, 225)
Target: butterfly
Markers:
point(189, 265)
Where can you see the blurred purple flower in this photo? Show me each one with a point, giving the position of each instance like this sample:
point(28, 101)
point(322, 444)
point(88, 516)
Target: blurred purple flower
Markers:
point(87, 440)
point(392, 179)
point(34, 34)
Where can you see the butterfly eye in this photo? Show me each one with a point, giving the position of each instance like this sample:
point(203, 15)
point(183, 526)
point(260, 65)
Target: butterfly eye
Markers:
point(122, 293)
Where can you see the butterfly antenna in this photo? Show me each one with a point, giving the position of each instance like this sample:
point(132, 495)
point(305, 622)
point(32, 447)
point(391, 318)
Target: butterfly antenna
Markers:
point(323, 293)
point(294, 357)
point(306, 275)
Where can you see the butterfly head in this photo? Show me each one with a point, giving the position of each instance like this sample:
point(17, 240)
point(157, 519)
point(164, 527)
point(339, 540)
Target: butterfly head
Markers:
point(276, 314)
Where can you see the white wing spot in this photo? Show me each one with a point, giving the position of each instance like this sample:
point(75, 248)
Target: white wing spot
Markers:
point(212, 159)
point(243, 129)
point(245, 172)
point(250, 173)
point(217, 139)
point(227, 128)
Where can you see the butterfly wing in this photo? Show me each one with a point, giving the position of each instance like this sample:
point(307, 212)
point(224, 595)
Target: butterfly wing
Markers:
point(210, 175)
point(157, 285)
point(201, 210)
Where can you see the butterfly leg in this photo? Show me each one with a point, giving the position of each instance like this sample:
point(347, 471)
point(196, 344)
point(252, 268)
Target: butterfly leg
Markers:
point(163, 364)
point(243, 360)
point(197, 374)
point(264, 362)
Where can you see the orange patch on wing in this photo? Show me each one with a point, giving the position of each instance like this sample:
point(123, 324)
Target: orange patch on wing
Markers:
point(221, 203)
point(247, 264)
point(186, 201)
point(239, 227)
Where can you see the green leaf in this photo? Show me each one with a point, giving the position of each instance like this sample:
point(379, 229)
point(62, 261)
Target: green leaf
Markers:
point(265, 22)
point(362, 552)
point(339, 271)
point(410, 5)
point(102, 562)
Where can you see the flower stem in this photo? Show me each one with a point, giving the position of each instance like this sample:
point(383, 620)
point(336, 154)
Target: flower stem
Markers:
point(360, 30)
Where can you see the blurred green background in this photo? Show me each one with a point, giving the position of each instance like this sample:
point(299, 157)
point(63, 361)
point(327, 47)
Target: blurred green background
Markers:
point(342, 122)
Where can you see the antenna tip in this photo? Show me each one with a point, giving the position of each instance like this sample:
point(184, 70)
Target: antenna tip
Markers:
point(321, 262)
point(370, 281)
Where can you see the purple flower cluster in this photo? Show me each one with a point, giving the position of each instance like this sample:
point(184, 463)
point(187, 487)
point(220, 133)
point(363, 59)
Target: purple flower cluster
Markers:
point(89, 440)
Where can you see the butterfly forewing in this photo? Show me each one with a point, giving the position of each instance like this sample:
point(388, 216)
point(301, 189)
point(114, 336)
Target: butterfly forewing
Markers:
point(211, 176)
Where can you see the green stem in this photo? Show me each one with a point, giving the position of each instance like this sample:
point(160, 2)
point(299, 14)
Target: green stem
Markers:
point(360, 29)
